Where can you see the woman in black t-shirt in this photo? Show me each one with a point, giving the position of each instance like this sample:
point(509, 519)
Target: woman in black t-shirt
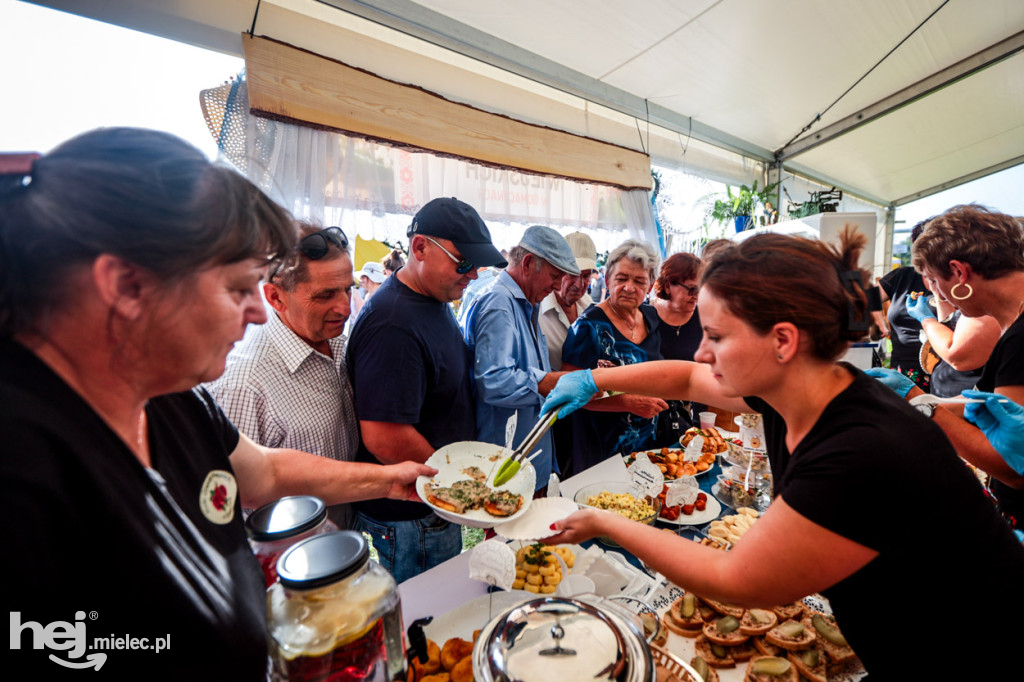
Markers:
point(904, 329)
point(847, 456)
point(675, 301)
point(129, 266)
point(973, 258)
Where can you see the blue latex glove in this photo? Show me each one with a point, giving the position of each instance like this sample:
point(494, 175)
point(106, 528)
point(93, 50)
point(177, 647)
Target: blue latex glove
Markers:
point(573, 391)
point(1002, 423)
point(920, 309)
point(899, 383)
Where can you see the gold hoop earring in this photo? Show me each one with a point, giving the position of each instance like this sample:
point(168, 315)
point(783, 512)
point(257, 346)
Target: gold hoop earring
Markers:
point(970, 291)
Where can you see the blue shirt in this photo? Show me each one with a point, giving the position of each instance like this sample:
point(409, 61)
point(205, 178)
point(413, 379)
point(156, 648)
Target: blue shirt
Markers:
point(599, 435)
point(510, 357)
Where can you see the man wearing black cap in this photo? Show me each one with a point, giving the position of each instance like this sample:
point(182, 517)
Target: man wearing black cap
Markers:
point(512, 372)
point(410, 371)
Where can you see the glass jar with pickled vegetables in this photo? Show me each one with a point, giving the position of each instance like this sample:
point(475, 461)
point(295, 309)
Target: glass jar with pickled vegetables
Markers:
point(275, 527)
point(334, 614)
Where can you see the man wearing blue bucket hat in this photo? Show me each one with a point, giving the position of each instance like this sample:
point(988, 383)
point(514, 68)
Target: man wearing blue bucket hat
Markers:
point(511, 368)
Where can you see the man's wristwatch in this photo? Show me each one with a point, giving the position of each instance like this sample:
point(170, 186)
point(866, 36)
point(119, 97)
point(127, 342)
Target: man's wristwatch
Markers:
point(927, 409)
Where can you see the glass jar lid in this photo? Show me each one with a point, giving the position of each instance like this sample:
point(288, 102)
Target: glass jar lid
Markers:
point(288, 517)
point(550, 639)
point(322, 560)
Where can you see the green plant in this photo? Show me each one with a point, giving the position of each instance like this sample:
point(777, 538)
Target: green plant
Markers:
point(743, 203)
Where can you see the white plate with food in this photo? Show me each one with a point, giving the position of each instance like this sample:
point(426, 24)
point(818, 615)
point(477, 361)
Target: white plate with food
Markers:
point(711, 511)
point(685, 647)
point(462, 491)
point(670, 460)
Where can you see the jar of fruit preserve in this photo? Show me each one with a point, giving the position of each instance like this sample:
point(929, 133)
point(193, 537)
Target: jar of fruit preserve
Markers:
point(334, 614)
point(275, 527)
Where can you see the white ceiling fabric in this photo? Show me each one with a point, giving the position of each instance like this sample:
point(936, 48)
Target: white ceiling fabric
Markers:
point(742, 75)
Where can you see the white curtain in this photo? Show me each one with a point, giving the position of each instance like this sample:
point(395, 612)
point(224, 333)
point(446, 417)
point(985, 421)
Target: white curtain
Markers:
point(373, 189)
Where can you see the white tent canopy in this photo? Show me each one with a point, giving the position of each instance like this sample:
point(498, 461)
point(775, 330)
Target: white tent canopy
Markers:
point(914, 96)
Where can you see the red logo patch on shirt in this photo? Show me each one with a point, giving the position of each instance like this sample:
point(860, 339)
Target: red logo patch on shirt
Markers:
point(217, 496)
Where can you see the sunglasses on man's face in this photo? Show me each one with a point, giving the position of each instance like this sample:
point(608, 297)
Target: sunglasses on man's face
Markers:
point(461, 266)
point(315, 246)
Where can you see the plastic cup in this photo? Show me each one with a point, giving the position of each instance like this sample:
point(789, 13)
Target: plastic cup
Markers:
point(707, 420)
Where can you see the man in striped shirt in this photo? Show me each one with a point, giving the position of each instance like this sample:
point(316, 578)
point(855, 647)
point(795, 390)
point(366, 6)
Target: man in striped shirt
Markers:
point(285, 384)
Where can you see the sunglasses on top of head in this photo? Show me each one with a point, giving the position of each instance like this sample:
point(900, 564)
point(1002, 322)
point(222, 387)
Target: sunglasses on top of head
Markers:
point(315, 246)
point(461, 266)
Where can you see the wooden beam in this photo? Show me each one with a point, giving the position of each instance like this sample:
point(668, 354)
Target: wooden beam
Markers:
point(288, 83)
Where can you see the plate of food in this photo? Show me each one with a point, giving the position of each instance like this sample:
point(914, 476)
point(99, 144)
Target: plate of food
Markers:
point(732, 493)
point(540, 568)
point(670, 462)
point(738, 456)
point(705, 508)
point(731, 639)
point(463, 490)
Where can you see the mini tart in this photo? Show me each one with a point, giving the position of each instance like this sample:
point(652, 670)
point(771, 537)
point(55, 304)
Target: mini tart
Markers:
point(703, 648)
point(661, 639)
point(794, 611)
point(815, 673)
point(679, 630)
point(758, 621)
point(767, 648)
point(726, 609)
point(799, 642)
point(836, 653)
point(675, 616)
point(712, 674)
point(724, 638)
point(706, 612)
point(750, 676)
point(744, 651)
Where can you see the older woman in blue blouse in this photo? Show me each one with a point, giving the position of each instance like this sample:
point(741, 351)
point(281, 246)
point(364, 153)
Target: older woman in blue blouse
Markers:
point(621, 330)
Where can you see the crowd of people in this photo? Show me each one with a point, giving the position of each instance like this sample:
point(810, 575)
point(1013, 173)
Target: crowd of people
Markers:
point(133, 441)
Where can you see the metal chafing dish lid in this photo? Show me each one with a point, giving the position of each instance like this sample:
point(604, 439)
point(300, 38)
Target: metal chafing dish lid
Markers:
point(561, 639)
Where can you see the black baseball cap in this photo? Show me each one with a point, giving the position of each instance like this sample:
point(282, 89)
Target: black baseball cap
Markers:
point(458, 222)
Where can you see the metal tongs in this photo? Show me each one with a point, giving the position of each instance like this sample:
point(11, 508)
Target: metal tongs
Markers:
point(510, 467)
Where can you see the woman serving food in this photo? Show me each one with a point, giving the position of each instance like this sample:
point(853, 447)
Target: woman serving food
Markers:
point(777, 312)
point(129, 266)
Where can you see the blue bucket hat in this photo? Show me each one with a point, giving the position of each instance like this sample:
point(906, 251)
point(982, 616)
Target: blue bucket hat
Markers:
point(545, 243)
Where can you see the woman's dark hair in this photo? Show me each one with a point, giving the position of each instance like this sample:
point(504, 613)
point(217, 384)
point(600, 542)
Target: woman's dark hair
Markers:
point(991, 242)
point(144, 196)
point(918, 229)
point(393, 260)
point(677, 268)
point(773, 278)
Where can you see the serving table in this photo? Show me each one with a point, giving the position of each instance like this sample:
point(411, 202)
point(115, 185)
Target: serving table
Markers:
point(448, 586)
